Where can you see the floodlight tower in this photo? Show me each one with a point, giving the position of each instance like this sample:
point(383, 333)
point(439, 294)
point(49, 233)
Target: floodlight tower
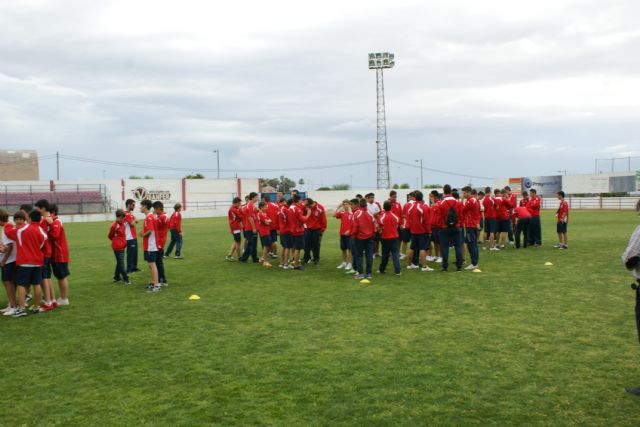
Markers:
point(380, 61)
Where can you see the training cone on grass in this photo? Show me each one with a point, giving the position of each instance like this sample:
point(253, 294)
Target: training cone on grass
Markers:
point(365, 281)
point(476, 270)
point(548, 263)
point(194, 297)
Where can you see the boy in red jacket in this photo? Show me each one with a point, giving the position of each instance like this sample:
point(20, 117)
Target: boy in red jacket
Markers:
point(175, 229)
point(344, 214)
point(149, 234)
point(162, 224)
point(472, 215)
point(362, 231)
point(389, 222)
point(235, 227)
point(119, 244)
point(297, 218)
point(563, 220)
point(59, 256)
point(264, 231)
point(30, 240)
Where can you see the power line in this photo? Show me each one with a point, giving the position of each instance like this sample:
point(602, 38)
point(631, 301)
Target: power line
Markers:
point(171, 168)
point(440, 171)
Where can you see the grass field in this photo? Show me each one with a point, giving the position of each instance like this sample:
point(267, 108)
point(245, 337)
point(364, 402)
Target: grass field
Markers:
point(519, 344)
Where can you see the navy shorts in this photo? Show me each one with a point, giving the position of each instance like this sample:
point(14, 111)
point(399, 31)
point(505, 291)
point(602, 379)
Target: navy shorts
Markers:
point(435, 235)
point(286, 241)
point(504, 226)
point(60, 270)
point(405, 235)
point(27, 276)
point(266, 240)
point(345, 243)
point(274, 236)
point(490, 225)
point(561, 227)
point(46, 269)
point(9, 272)
point(420, 242)
point(236, 237)
point(297, 242)
point(150, 256)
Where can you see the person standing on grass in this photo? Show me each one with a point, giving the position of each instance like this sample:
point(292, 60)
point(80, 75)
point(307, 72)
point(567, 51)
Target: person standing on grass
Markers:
point(162, 227)
point(8, 262)
point(42, 206)
point(149, 234)
point(523, 217)
point(297, 217)
point(419, 220)
point(471, 212)
point(272, 212)
point(450, 233)
point(490, 220)
point(264, 231)
point(389, 222)
point(175, 229)
point(234, 218)
point(631, 260)
point(363, 230)
point(59, 256)
point(535, 227)
point(344, 214)
point(563, 221)
point(316, 226)
point(119, 244)
point(250, 224)
point(523, 203)
point(132, 238)
point(30, 241)
point(285, 234)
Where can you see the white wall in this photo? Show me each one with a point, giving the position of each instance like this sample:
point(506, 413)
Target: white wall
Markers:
point(589, 183)
point(331, 199)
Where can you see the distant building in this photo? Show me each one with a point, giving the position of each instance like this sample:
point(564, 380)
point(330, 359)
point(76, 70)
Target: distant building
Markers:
point(19, 165)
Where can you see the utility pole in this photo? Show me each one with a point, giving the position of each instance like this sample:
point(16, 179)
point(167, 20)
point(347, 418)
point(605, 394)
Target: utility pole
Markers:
point(217, 151)
point(57, 166)
point(421, 180)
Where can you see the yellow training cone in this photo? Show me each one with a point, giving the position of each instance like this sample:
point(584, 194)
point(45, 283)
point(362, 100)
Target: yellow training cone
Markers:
point(365, 281)
point(476, 270)
point(548, 263)
point(194, 297)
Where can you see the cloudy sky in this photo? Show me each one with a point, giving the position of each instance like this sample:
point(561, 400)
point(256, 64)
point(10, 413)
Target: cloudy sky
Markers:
point(488, 89)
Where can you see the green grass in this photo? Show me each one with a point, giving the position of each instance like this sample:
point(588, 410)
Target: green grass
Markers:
point(519, 344)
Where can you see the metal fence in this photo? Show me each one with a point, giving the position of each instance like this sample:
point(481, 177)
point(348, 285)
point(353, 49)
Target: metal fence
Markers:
point(614, 203)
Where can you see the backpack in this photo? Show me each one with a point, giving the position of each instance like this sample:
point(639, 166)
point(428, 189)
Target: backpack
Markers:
point(452, 217)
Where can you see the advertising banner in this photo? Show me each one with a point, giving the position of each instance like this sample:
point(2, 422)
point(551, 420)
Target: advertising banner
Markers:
point(544, 185)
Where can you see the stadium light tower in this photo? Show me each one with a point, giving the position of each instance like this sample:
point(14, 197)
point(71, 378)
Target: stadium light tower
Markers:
point(379, 61)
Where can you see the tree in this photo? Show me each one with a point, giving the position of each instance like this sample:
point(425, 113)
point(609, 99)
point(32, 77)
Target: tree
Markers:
point(341, 187)
point(148, 177)
point(283, 183)
point(194, 176)
point(404, 186)
point(432, 186)
point(396, 186)
point(301, 181)
point(323, 189)
point(140, 177)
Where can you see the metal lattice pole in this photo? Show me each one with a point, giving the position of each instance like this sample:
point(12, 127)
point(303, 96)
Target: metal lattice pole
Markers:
point(381, 141)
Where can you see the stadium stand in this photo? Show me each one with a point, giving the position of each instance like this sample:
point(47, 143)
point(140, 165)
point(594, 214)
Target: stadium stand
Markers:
point(79, 200)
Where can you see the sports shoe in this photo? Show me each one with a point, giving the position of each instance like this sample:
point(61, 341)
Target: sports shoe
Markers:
point(46, 307)
point(427, 268)
point(403, 256)
point(164, 256)
point(273, 256)
point(54, 303)
point(438, 260)
point(557, 245)
point(10, 311)
point(343, 265)
point(178, 257)
point(563, 247)
point(7, 308)
point(471, 267)
point(431, 258)
point(35, 310)
point(20, 312)
point(29, 298)
point(369, 276)
point(164, 284)
point(494, 248)
point(266, 264)
point(116, 280)
point(398, 274)
point(63, 301)
point(412, 267)
point(350, 271)
point(348, 267)
point(126, 282)
point(153, 288)
point(230, 258)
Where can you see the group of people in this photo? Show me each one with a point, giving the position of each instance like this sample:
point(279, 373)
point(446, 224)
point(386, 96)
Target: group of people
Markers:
point(421, 230)
point(33, 248)
point(155, 230)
